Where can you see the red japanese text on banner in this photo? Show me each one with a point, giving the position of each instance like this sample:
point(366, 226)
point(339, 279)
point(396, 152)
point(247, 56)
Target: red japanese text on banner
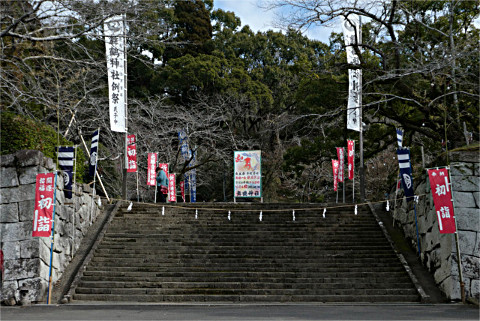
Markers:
point(182, 190)
point(43, 210)
point(351, 158)
point(132, 158)
point(172, 190)
point(442, 198)
point(152, 163)
point(131, 139)
point(341, 162)
point(335, 165)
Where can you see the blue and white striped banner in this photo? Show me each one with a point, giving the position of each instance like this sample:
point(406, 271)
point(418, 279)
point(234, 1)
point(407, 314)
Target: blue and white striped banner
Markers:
point(66, 157)
point(93, 153)
point(405, 171)
point(400, 137)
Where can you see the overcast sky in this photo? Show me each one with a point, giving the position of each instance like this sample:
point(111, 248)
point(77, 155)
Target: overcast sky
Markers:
point(261, 20)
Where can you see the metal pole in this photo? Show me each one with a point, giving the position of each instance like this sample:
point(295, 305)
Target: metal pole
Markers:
point(459, 258)
point(138, 195)
point(74, 198)
point(423, 156)
point(361, 167)
point(52, 241)
point(124, 194)
point(96, 174)
point(416, 226)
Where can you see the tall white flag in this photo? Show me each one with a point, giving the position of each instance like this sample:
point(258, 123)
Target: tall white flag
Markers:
point(114, 30)
point(352, 35)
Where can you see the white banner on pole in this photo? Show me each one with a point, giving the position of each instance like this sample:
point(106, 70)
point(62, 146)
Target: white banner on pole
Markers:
point(352, 35)
point(114, 31)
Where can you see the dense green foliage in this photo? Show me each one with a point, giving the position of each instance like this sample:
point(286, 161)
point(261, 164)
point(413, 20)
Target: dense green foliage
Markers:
point(18, 133)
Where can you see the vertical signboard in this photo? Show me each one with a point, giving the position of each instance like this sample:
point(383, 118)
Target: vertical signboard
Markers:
point(151, 175)
point(172, 191)
point(131, 154)
point(114, 30)
point(442, 199)
point(335, 165)
point(44, 205)
point(341, 162)
point(351, 158)
point(247, 167)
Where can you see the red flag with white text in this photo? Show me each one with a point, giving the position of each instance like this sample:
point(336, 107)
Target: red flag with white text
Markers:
point(152, 165)
point(172, 190)
point(182, 190)
point(335, 165)
point(44, 204)
point(442, 199)
point(351, 158)
point(131, 154)
point(341, 162)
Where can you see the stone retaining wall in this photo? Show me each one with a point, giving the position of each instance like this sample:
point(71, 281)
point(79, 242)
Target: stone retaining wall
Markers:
point(438, 251)
point(27, 258)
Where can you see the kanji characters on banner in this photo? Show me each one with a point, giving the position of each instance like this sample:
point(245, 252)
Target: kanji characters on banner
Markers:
point(152, 165)
point(131, 154)
point(442, 199)
point(353, 36)
point(66, 156)
point(44, 205)
point(94, 153)
point(114, 30)
point(351, 158)
point(335, 165)
point(406, 171)
point(341, 162)
point(164, 166)
point(248, 173)
point(172, 191)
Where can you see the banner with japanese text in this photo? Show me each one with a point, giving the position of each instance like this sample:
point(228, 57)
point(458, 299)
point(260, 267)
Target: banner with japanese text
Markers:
point(152, 164)
point(353, 36)
point(92, 168)
point(351, 158)
point(247, 173)
point(172, 190)
point(442, 199)
point(182, 190)
point(131, 154)
point(44, 205)
point(406, 172)
point(114, 31)
point(164, 166)
point(341, 163)
point(335, 165)
point(66, 161)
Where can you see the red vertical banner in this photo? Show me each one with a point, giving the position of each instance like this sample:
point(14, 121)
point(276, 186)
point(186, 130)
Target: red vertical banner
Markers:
point(172, 190)
point(152, 163)
point(164, 166)
point(131, 154)
point(442, 198)
point(351, 158)
point(335, 165)
point(43, 210)
point(182, 190)
point(341, 163)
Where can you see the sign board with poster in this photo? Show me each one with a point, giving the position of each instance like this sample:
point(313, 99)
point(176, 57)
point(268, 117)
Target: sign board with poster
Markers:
point(247, 166)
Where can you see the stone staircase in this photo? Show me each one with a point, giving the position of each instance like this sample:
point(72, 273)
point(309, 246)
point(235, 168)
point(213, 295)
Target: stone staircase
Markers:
point(177, 257)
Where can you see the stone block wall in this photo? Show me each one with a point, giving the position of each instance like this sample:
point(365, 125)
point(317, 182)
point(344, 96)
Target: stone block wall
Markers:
point(438, 251)
point(27, 258)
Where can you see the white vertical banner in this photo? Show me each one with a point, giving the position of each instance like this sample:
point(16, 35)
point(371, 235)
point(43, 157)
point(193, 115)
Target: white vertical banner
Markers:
point(352, 35)
point(114, 31)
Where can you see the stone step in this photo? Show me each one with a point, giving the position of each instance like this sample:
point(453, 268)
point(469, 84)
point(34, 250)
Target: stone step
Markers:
point(330, 298)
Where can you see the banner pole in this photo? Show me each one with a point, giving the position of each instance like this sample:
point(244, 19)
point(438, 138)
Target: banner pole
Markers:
point(125, 170)
point(138, 195)
point(416, 225)
point(459, 258)
point(98, 176)
point(74, 198)
point(52, 241)
point(95, 175)
point(395, 205)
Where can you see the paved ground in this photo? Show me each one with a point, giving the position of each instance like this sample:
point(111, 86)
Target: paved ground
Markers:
point(272, 312)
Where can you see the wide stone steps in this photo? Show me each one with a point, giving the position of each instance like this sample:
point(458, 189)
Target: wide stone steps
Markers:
point(149, 257)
